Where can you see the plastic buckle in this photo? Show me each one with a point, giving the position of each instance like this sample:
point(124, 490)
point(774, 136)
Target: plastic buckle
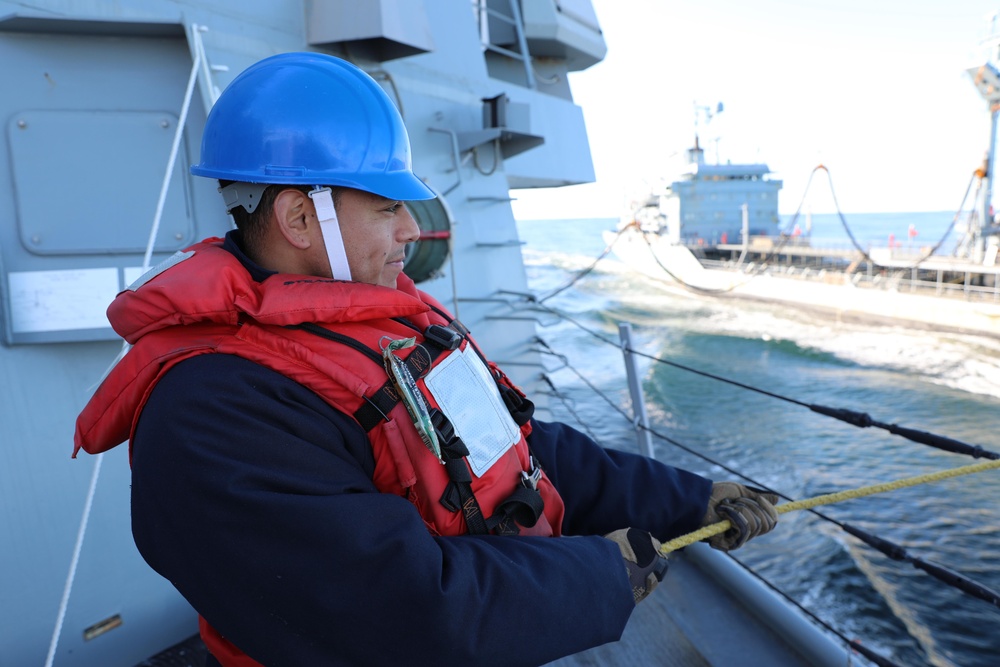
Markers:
point(449, 339)
point(322, 198)
point(442, 424)
point(452, 446)
point(246, 195)
point(529, 480)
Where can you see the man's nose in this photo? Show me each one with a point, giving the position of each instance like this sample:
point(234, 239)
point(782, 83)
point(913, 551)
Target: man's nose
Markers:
point(409, 230)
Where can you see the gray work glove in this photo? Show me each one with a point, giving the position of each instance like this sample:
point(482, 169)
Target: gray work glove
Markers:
point(751, 511)
point(645, 566)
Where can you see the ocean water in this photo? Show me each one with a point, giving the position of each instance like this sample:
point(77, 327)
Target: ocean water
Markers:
point(945, 384)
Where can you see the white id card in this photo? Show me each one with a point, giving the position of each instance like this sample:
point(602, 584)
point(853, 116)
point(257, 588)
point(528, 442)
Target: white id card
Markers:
point(468, 396)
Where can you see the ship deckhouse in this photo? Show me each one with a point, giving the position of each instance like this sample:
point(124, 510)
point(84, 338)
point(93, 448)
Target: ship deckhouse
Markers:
point(706, 205)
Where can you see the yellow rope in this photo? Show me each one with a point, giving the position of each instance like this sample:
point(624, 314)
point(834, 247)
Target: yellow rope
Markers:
point(830, 498)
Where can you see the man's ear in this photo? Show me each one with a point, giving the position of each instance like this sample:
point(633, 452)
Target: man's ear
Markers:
point(295, 217)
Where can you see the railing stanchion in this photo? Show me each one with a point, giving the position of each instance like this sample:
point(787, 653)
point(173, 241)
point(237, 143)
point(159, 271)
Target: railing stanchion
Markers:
point(639, 418)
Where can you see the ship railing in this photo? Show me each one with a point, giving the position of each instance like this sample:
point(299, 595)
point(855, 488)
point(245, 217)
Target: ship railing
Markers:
point(969, 285)
point(816, 245)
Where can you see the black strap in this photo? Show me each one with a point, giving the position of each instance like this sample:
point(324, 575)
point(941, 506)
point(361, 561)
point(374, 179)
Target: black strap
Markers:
point(352, 343)
point(521, 408)
point(458, 494)
point(452, 321)
point(377, 406)
point(524, 506)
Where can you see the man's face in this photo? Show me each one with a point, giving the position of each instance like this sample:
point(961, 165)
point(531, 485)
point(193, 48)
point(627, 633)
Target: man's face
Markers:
point(376, 231)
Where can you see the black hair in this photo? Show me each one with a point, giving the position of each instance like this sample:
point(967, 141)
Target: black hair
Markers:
point(253, 226)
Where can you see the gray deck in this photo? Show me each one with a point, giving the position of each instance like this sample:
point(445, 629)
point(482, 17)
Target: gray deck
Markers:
point(693, 620)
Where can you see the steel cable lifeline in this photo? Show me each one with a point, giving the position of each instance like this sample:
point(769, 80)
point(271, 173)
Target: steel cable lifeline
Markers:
point(886, 547)
point(853, 417)
point(855, 644)
point(569, 408)
point(581, 274)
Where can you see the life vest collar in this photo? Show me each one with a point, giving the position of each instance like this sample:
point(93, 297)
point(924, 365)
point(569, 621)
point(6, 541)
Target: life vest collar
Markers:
point(221, 291)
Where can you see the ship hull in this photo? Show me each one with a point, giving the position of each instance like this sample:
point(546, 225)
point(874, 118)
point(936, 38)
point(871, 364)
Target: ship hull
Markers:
point(831, 294)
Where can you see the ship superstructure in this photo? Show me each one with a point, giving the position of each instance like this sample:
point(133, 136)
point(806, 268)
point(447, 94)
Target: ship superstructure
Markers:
point(719, 203)
point(716, 231)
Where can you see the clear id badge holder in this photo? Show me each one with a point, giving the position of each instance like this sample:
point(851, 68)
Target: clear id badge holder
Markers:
point(467, 394)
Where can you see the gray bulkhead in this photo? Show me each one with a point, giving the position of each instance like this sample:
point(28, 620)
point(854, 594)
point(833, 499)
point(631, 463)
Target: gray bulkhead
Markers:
point(92, 98)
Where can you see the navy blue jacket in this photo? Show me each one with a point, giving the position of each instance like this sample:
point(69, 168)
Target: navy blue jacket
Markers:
point(254, 497)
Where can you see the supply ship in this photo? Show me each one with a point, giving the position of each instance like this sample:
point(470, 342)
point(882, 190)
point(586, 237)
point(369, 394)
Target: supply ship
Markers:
point(715, 231)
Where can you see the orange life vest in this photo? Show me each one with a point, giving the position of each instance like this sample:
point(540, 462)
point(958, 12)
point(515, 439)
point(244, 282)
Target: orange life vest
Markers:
point(326, 335)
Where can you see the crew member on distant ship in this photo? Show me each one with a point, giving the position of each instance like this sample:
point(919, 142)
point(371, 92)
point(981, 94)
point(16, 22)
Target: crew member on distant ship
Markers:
point(325, 464)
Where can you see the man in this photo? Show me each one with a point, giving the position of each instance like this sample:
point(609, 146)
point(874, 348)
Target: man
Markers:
point(324, 463)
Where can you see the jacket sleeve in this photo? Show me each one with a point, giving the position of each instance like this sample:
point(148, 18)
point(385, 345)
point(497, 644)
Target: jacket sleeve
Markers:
point(607, 489)
point(254, 498)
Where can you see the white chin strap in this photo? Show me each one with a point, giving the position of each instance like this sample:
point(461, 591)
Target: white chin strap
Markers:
point(326, 213)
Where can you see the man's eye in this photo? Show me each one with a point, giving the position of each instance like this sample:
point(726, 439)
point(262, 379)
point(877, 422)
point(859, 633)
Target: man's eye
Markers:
point(395, 207)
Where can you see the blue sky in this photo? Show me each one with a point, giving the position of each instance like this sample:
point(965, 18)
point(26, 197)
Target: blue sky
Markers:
point(875, 90)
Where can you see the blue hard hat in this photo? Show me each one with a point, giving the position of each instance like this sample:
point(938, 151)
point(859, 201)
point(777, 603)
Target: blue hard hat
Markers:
point(309, 119)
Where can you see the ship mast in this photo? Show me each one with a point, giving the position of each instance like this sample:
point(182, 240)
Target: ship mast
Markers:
point(696, 155)
point(986, 78)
